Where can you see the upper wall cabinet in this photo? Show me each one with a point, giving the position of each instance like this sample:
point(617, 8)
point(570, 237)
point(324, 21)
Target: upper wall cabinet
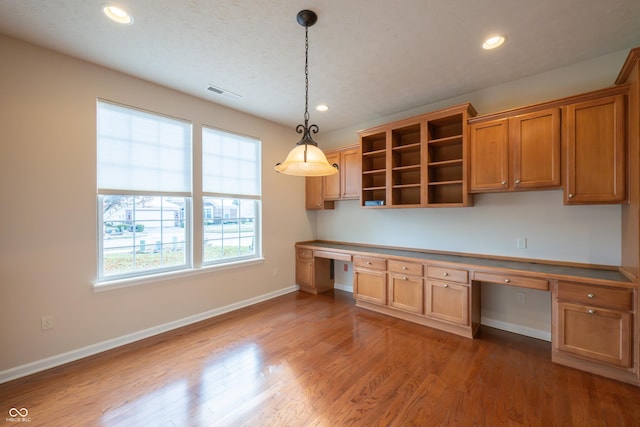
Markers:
point(521, 152)
point(323, 191)
point(346, 183)
point(594, 135)
point(417, 162)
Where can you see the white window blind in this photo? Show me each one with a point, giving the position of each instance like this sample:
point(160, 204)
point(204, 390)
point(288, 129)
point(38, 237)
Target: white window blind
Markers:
point(230, 163)
point(140, 151)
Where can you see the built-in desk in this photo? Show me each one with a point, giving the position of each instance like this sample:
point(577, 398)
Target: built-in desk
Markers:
point(595, 324)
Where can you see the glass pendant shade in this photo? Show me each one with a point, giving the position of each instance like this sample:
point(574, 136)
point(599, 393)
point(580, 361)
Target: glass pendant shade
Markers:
point(306, 160)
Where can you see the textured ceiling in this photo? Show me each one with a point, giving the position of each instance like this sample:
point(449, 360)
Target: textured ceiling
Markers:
point(368, 58)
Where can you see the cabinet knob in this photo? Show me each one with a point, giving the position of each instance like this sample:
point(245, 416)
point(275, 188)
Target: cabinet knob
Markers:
point(446, 285)
point(590, 295)
point(507, 280)
point(517, 181)
point(571, 195)
point(591, 311)
point(404, 268)
point(504, 183)
point(368, 262)
point(404, 277)
point(445, 274)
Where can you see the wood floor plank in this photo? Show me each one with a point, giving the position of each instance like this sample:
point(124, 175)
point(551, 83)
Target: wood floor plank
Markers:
point(306, 360)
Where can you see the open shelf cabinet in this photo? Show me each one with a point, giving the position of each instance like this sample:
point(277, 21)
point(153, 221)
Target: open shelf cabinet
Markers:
point(417, 162)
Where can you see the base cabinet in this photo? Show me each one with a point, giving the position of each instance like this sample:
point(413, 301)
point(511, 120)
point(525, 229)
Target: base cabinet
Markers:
point(593, 329)
point(406, 286)
point(448, 302)
point(595, 333)
point(313, 274)
point(370, 279)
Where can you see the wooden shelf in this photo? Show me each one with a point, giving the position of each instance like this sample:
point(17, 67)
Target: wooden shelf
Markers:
point(417, 162)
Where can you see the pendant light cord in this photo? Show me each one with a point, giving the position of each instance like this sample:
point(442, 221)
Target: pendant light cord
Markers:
point(306, 76)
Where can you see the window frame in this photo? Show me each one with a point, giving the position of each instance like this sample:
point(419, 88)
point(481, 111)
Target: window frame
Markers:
point(256, 198)
point(193, 211)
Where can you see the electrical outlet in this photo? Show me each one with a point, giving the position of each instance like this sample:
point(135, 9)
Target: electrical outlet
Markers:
point(521, 243)
point(522, 298)
point(346, 267)
point(47, 322)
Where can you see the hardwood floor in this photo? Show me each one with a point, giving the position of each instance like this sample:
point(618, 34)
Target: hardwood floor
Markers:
point(305, 360)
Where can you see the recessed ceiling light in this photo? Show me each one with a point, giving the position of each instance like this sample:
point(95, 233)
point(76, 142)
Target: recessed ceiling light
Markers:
point(493, 42)
point(117, 14)
point(322, 107)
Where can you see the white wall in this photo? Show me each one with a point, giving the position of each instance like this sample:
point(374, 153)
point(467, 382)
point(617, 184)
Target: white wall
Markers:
point(586, 234)
point(48, 234)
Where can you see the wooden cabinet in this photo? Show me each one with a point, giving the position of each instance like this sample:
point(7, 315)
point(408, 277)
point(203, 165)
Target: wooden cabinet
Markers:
point(331, 183)
point(351, 174)
point(322, 191)
point(417, 162)
point(448, 294)
point(594, 134)
point(346, 183)
point(519, 152)
point(313, 275)
point(406, 286)
point(448, 301)
point(594, 323)
point(370, 279)
point(314, 199)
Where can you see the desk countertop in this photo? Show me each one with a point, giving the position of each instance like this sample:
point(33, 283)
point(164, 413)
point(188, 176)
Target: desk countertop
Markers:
point(528, 267)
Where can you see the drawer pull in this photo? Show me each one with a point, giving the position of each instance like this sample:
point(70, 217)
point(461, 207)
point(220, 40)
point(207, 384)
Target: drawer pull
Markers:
point(404, 268)
point(590, 295)
point(591, 311)
point(507, 280)
point(368, 262)
point(404, 278)
point(445, 274)
point(446, 286)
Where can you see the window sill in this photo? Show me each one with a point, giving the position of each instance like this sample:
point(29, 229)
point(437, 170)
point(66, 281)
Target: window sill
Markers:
point(155, 278)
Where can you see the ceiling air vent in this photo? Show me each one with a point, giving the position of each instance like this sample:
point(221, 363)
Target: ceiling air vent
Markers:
point(223, 92)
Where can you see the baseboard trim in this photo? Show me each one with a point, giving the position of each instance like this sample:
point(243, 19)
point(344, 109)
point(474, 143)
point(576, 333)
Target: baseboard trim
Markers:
point(516, 329)
point(341, 287)
point(61, 359)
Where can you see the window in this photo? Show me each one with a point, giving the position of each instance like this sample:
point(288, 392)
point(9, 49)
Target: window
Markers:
point(146, 201)
point(231, 196)
point(144, 192)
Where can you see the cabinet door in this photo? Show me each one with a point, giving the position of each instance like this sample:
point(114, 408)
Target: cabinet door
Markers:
point(304, 272)
point(535, 149)
point(331, 183)
point(350, 174)
point(370, 286)
point(313, 192)
point(598, 334)
point(406, 293)
point(448, 301)
point(595, 151)
point(489, 159)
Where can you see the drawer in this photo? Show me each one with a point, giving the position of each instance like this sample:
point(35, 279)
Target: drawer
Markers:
point(448, 273)
point(617, 298)
point(369, 262)
point(512, 280)
point(304, 253)
point(403, 267)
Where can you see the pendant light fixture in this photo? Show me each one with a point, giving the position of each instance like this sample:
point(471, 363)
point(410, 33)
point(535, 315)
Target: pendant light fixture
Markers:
point(306, 159)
